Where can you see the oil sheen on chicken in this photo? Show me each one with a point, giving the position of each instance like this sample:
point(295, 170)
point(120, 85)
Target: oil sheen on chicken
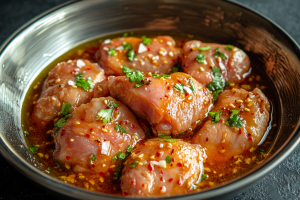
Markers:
point(163, 106)
point(223, 141)
point(60, 87)
point(159, 56)
point(233, 62)
point(87, 144)
point(162, 167)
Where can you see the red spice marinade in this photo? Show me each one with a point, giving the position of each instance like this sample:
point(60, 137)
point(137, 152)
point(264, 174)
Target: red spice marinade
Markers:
point(104, 182)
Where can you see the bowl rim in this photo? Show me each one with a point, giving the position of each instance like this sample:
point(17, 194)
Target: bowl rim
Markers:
point(62, 188)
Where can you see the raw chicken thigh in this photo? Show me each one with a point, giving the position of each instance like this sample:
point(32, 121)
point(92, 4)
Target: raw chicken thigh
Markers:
point(89, 140)
point(61, 86)
point(156, 55)
point(237, 123)
point(171, 105)
point(162, 167)
point(233, 62)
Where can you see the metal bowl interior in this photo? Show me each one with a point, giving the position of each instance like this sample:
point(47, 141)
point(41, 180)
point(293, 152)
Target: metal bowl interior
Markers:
point(27, 52)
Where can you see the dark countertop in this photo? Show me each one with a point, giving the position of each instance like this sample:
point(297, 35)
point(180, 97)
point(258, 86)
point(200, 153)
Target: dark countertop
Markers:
point(281, 183)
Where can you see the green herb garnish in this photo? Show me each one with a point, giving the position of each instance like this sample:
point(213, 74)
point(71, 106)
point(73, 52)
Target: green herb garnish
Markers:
point(127, 46)
point(159, 76)
point(121, 156)
point(81, 82)
point(164, 136)
point(120, 129)
point(57, 163)
point(93, 157)
point(26, 133)
point(125, 34)
point(219, 53)
point(229, 47)
point(134, 163)
point(176, 68)
point(146, 40)
point(217, 83)
point(106, 115)
point(179, 87)
point(204, 176)
point(205, 48)
point(65, 109)
point(215, 94)
point(126, 70)
point(215, 116)
point(235, 120)
point(192, 84)
point(129, 148)
point(34, 149)
point(118, 173)
point(111, 51)
point(227, 83)
point(261, 150)
point(60, 123)
point(131, 55)
point(200, 58)
point(170, 140)
point(168, 159)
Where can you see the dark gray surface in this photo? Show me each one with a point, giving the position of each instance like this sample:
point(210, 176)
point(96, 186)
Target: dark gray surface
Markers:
point(282, 183)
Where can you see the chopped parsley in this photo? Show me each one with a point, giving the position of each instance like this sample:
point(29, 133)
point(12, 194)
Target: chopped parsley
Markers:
point(215, 94)
point(121, 156)
point(136, 76)
point(126, 70)
point(120, 129)
point(141, 84)
point(219, 53)
point(81, 82)
point(168, 159)
point(176, 68)
point(125, 34)
point(111, 51)
point(159, 76)
point(57, 163)
point(229, 47)
point(127, 46)
point(179, 87)
point(26, 133)
point(146, 40)
point(204, 176)
point(164, 136)
point(200, 58)
point(227, 83)
point(217, 83)
point(65, 109)
point(235, 120)
point(170, 140)
point(205, 48)
point(129, 148)
point(93, 157)
point(34, 149)
point(192, 84)
point(134, 163)
point(118, 172)
point(261, 150)
point(215, 116)
point(131, 55)
point(106, 115)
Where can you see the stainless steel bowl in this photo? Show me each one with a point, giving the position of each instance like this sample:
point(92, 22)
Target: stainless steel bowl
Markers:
point(28, 51)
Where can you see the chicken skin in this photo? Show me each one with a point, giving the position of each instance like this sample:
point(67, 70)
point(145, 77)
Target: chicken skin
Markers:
point(89, 140)
point(162, 167)
point(156, 55)
point(233, 62)
point(171, 105)
point(238, 122)
point(72, 82)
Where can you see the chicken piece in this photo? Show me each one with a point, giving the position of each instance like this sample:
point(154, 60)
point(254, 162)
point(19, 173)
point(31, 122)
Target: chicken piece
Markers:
point(223, 141)
point(158, 57)
point(163, 167)
point(60, 87)
point(233, 62)
point(87, 144)
point(164, 107)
